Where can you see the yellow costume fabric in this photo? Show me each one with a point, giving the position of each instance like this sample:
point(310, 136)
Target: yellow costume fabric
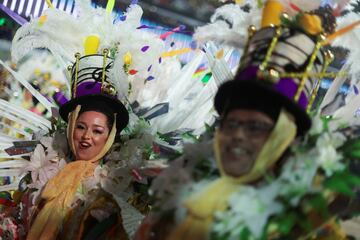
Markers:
point(201, 207)
point(59, 192)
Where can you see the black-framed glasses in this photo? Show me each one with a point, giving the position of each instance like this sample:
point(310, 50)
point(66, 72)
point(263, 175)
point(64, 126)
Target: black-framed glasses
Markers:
point(250, 128)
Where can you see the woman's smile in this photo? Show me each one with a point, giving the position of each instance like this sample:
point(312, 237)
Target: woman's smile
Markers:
point(90, 134)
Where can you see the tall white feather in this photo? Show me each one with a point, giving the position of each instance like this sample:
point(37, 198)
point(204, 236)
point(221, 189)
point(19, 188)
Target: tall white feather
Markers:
point(227, 26)
point(350, 39)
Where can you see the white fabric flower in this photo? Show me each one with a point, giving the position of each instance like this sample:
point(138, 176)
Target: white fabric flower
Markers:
point(132, 152)
point(251, 207)
point(328, 158)
point(297, 177)
point(113, 180)
point(317, 125)
point(169, 184)
point(51, 154)
point(42, 167)
point(44, 164)
point(334, 139)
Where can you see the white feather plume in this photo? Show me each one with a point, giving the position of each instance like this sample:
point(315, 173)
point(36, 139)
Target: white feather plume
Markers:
point(35, 34)
point(350, 41)
point(123, 36)
point(227, 25)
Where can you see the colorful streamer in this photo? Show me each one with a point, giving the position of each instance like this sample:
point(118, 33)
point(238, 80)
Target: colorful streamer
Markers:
point(176, 52)
point(165, 29)
point(175, 30)
point(50, 5)
point(110, 6)
point(16, 17)
point(341, 32)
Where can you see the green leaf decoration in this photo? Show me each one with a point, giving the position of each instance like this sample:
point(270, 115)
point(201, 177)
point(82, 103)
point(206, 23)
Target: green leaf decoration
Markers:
point(348, 145)
point(209, 129)
point(338, 186)
point(245, 234)
point(216, 236)
point(351, 149)
point(319, 204)
point(326, 120)
point(354, 154)
point(305, 224)
point(342, 182)
point(286, 222)
point(191, 137)
point(57, 125)
point(286, 21)
point(5, 195)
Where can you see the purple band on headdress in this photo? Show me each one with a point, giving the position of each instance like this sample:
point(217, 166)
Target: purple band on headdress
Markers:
point(288, 88)
point(83, 89)
point(86, 88)
point(90, 88)
point(60, 98)
point(285, 86)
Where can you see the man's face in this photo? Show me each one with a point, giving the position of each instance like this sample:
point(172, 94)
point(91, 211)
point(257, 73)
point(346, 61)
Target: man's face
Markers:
point(242, 135)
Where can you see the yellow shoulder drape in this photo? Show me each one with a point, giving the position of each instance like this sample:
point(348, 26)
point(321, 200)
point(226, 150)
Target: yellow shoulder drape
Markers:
point(59, 192)
point(201, 207)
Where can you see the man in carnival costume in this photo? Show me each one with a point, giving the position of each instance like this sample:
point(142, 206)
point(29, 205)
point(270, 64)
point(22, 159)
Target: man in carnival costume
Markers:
point(261, 111)
point(85, 198)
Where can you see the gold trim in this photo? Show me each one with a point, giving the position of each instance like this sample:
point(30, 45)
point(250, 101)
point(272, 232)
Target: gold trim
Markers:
point(77, 59)
point(105, 52)
point(309, 67)
point(251, 31)
point(315, 75)
point(274, 41)
point(329, 57)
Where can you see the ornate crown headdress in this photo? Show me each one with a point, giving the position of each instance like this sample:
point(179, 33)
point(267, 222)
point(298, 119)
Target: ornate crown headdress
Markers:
point(284, 59)
point(90, 75)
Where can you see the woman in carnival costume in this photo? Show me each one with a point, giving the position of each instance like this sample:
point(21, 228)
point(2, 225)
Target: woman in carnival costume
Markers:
point(268, 186)
point(69, 205)
point(94, 117)
point(87, 197)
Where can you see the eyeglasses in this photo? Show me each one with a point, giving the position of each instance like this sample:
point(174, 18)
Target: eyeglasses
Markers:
point(250, 128)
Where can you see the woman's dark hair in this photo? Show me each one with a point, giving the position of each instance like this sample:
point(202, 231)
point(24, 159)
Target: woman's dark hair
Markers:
point(101, 107)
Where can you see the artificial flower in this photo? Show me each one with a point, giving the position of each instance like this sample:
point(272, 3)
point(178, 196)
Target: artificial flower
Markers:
point(335, 139)
point(43, 164)
point(311, 23)
point(251, 208)
point(41, 168)
point(328, 157)
point(113, 180)
point(317, 125)
point(297, 177)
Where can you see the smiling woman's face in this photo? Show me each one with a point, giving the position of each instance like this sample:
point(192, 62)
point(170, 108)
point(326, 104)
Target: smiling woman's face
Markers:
point(90, 134)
